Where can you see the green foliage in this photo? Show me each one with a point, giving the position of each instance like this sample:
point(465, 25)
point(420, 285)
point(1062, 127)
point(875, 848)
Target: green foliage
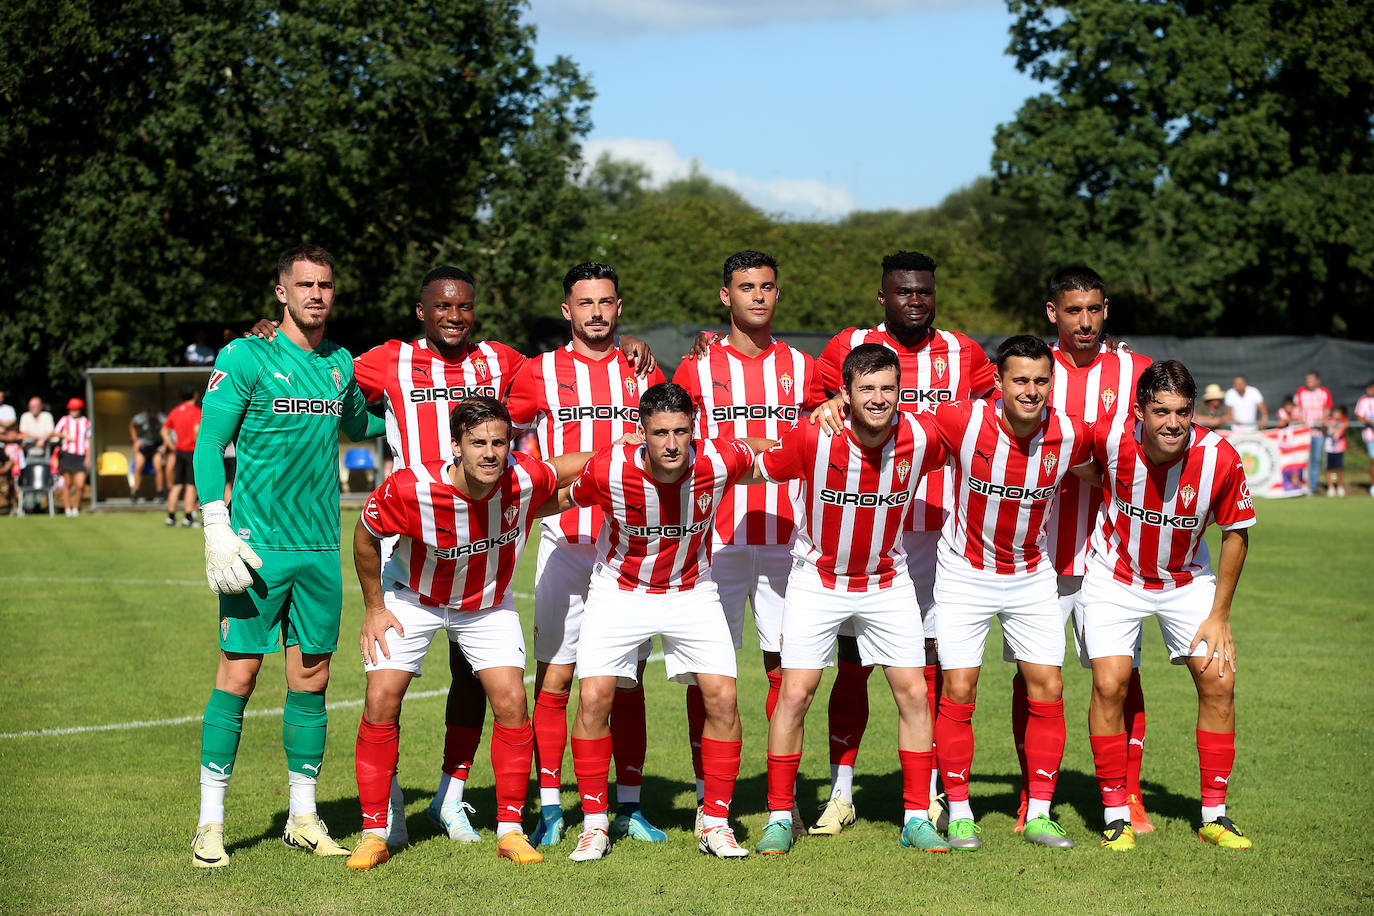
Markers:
point(1214, 161)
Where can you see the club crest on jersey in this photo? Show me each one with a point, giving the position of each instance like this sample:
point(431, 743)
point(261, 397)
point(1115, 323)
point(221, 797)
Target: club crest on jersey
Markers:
point(1049, 461)
point(785, 382)
point(215, 378)
point(631, 386)
point(1187, 494)
point(903, 469)
point(704, 502)
point(939, 365)
point(338, 378)
point(224, 628)
point(480, 365)
point(510, 514)
point(1108, 398)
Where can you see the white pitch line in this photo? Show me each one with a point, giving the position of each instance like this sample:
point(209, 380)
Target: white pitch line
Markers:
point(193, 583)
point(247, 714)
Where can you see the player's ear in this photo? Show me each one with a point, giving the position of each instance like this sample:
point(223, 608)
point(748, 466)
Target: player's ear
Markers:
point(1104, 308)
point(1052, 312)
point(420, 312)
point(725, 297)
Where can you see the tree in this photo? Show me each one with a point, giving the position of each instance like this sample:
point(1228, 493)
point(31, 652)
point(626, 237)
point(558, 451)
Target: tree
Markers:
point(159, 157)
point(1214, 160)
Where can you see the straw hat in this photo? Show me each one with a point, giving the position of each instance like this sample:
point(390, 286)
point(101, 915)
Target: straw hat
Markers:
point(1214, 393)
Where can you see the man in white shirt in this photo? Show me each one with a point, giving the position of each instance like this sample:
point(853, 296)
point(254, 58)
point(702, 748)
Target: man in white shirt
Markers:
point(1248, 412)
point(35, 426)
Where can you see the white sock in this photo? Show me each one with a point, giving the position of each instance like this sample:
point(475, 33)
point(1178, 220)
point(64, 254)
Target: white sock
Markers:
point(627, 795)
point(773, 816)
point(934, 782)
point(701, 790)
point(960, 810)
point(595, 821)
point(708, 821)
point(1209, 813)
point(375, 831)
point(450, 790)
point(842, 782)
point(909, 813)
point(213, 787)
point(1110, 815)
point(550, 798)
point(397, 803)
point(505, 827)
point(302, 793)
point(1037, 807)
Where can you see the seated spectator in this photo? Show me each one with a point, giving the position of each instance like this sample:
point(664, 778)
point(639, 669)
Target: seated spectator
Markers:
point(8, 420)
point(145, 434)
point(198, 352)
point(1248, 412)
point(35, 430)
point(1287, 414)
point(1336, 425)
point(1213, 414)
point(73, 433)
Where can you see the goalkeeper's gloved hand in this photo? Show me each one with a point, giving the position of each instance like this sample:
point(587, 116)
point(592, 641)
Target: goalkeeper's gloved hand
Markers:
point(226, 557)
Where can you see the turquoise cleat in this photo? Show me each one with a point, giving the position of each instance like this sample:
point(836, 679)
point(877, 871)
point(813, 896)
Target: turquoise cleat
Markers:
point(631, 822)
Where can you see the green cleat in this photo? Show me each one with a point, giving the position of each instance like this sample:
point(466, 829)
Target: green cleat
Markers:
point(1044, 832)
point(963, 834)
point(777, 839)
point(921, 834)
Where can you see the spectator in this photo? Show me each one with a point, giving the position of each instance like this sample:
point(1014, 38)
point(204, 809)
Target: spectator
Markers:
point(1336, 425)
point(1248, 412)
point(1286, 414)
point(35, 429)
point(145, 434)
point(198, 352)
point(8, 419)
point(1213, 414)
point(73, 433)
point(1314, 408)
point(179, 432)
point(1364, 412)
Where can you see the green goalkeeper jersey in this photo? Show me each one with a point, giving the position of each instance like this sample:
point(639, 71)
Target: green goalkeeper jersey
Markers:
point(282, 407)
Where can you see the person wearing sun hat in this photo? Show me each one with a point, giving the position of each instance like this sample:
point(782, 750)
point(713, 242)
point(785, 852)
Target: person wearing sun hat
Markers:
point(1213, 414)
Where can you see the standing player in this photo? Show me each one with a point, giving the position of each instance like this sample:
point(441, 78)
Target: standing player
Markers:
point(1314, 404)
point(73, 435)
point(1009, 458)
point(937, 367)
point(652, 578)
point(1364, 412)
point(856, 488)
point(179, 432)
point(748, 385)
point(1168, 479)
point(283, 403)
point(462, 526)
point(581, 397)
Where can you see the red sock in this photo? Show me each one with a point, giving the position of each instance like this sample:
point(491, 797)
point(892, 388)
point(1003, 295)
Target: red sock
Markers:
point(774, 686)
point(696, 722)
point(916, 767)
point(1135, 728)
point(631, 736)
point(1109, 760)
point(511, 752)
point(374, 762)
point(720, 761)
point(782, 781)
point(954, 746)
point(1020, 715)
point(592, 767)
point(550, 737)
point(1045, 736)
point(1216, 756)
point(848, 712)
point(460, 746)
point(933, 686)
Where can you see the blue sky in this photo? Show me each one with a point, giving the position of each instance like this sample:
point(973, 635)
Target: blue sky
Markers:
point(808, 108)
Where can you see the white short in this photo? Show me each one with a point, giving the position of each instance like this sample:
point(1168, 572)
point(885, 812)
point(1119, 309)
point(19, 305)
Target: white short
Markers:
point(758, 572)
point(884, 622)
point(1070, 591)
point(1112, 612)
point(617, 626)
point(921, 547)
point(1026, 604)
point(562, 575)
point(490, 639)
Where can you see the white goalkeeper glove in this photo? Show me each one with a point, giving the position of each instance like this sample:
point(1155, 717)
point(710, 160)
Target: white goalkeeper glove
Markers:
point(226, 557)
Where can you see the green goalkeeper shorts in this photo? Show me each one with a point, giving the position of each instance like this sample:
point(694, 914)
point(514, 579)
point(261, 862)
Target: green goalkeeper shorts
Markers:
point(295, 600)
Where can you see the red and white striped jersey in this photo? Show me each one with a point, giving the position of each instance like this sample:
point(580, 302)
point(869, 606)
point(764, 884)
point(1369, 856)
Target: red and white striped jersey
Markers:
point(750, 397)
point(420, 388)
point(854, 499)
point(946, 366)
point(456, 551)
point(1312, 403)
point(1003, 485)
point(577, 404)
point(659, 534)
point(1102, 391)
point(79, 428)
point(1150, 533)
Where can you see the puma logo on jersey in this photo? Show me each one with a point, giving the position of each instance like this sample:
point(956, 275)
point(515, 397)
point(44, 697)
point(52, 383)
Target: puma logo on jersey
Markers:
point(961, 775)
point(1047, 775)
point(567, 387)
point(987, 458)
point(835, 467)
point(286, 378)
point(719, 384)
point(420, 370)
point(442, 529)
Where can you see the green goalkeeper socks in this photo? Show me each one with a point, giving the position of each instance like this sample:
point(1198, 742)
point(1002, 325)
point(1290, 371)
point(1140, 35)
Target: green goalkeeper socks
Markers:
point(220, 730)
point(303, 726)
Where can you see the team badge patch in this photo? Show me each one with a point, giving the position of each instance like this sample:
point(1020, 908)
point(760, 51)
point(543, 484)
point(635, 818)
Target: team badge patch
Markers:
point(903, 469)
point(510, 514)
point(1049, 461)
point(704, 503)
point(939, 365)
point(372, 511)
point(1108, 398)
point(785, 381)
point(338, 378)
point(1187, 494)
point(631, 386)
point(215, 378)
point(224, 628)
point(480, 365)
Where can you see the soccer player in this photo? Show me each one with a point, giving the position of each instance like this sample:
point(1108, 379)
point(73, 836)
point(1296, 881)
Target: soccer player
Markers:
point(747, 384)
point(937, 367)
point(580, 397)
point(179, 433)
point(462, 525)
point(73, 434)
point(856, 488)
point(659, 500)
point(1009, 456)
point(283, 403)
point(1314, 404)
point(1168, 479)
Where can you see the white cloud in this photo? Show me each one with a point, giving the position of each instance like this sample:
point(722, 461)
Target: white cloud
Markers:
point(628, 16)
point(802, 198)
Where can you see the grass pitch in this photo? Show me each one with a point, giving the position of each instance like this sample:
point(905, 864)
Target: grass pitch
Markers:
point(112, 636)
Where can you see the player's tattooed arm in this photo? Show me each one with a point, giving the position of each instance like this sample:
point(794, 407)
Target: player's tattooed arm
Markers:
point(266, 328)
point(702, 343)
point(638, 354)
point(830, 414)
point(1216, 629)
point(367, 560)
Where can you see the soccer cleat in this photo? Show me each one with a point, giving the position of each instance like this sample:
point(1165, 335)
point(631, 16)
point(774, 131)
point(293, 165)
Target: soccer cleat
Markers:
point(698, 828)
point(921, 834)
point(939, 812)
point(592, 844)
point(1020, 816)
point(516, 847)
point(1044, 832)
point(777, 839)
point(720, 842)
point(1119, 836)
point(549, 830)
point(452, 819)
point(1223, 832)
point(631, 822)
point(798, 823)
point(207, 848)
point(170, 522)
point(836, 814)
point(308, 832)
point(963, 834)
point(1140, 821)
point(370, 852)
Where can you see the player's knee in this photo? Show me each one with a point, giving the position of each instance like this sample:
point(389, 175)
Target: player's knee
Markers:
point(1045, 686)
point(796, 696)
point(1110, 689)
point(382, 704)
point(555, 680)
point(910, 696)
point(509, 708)
point(594, 701)
point(721, 703)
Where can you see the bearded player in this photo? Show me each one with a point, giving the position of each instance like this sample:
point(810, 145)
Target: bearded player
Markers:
point(282, 402)
point(1168, 479)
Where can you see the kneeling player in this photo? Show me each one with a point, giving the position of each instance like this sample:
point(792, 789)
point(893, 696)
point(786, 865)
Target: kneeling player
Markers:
point(463, 525)
point(1167, 479)
point(652, 579)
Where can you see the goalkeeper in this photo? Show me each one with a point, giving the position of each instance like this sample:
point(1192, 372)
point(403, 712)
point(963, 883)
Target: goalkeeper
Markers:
point(275, 564)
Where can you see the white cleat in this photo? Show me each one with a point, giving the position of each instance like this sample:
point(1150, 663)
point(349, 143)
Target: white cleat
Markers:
point(592, 844)
point(698, 828)
point(720, 842)
point(207, 849)
point(309, 833)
